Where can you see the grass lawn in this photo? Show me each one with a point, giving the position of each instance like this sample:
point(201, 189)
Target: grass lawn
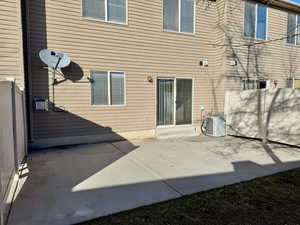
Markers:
point(268, 200)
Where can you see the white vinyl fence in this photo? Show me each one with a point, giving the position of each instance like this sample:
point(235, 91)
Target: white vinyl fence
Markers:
point(273, 114)
point(13, 140)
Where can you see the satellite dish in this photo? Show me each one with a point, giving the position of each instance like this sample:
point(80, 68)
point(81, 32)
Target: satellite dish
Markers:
point(54, 58)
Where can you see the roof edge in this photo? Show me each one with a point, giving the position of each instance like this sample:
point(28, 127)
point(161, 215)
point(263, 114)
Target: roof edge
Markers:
point(285, 4)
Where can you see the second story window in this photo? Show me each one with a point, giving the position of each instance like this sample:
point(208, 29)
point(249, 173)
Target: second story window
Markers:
point(293, 29)
point(179, 15)
point(106, 10)
point(255, 21)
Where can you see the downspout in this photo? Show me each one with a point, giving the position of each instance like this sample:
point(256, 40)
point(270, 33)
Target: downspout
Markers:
point(27, 66)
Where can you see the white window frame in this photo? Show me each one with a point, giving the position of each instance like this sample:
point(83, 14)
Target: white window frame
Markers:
point(109, 88)
point(179, 19)
point(106, 15)
point(297, 29)
point(256, 81)
point(174, 78)
point(255, 29)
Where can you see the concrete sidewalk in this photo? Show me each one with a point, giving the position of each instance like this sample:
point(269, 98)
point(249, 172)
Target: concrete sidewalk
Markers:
point(70, 185)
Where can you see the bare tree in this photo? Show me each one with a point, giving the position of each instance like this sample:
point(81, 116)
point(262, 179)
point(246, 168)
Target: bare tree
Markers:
point(290, 65)
point(250, 55)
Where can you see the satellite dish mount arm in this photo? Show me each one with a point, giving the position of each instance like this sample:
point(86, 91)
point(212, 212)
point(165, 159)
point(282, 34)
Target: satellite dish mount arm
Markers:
point(59, 59)
point(54, 71)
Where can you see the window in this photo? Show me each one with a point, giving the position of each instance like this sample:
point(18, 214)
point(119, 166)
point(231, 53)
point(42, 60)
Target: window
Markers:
point(293, 83)
point(255, 21)
point(253, 83)
point(261, 84)
point(296, 83)
point(106, 10)
point(108, 88)
point(179, 15)
point(293, 29)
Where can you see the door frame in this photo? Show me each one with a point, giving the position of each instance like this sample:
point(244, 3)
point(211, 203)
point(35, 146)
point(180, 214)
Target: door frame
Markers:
point(175, 95)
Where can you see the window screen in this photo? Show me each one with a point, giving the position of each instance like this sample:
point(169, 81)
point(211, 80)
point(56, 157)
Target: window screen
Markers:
point(179, 12)
point(117, 10)
point(249, 20)
point(117, 88)
point(249, 84)
point(100, 88)
point(289, 83)
point(94, 9)
point(187, 16)
point(108, 88)
point(170, 14)
point(255, 21)
point(291, 29)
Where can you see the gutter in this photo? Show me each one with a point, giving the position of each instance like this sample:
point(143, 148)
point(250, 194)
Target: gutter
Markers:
point(287, 5)
point(283, 4)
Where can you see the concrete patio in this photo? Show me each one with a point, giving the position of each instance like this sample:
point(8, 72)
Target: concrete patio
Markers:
point(74, 184)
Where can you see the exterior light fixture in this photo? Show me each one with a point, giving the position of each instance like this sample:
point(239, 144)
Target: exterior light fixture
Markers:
point(233, 63)
point(150, 79)
point(204, 63)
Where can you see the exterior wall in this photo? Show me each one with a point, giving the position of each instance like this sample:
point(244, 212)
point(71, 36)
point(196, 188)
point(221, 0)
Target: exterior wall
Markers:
point(11, 45)
point(276, 60)
point(140, 49)
point(219, 47)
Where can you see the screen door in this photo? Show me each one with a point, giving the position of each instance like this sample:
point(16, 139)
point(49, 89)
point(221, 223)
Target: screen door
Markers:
point(165, 102)
point(184, 101)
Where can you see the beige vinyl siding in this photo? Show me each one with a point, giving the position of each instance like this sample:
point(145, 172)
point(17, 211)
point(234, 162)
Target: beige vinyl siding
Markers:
point(140, 49)
point(276, 59)
point(220, 52)
point(11, 46)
